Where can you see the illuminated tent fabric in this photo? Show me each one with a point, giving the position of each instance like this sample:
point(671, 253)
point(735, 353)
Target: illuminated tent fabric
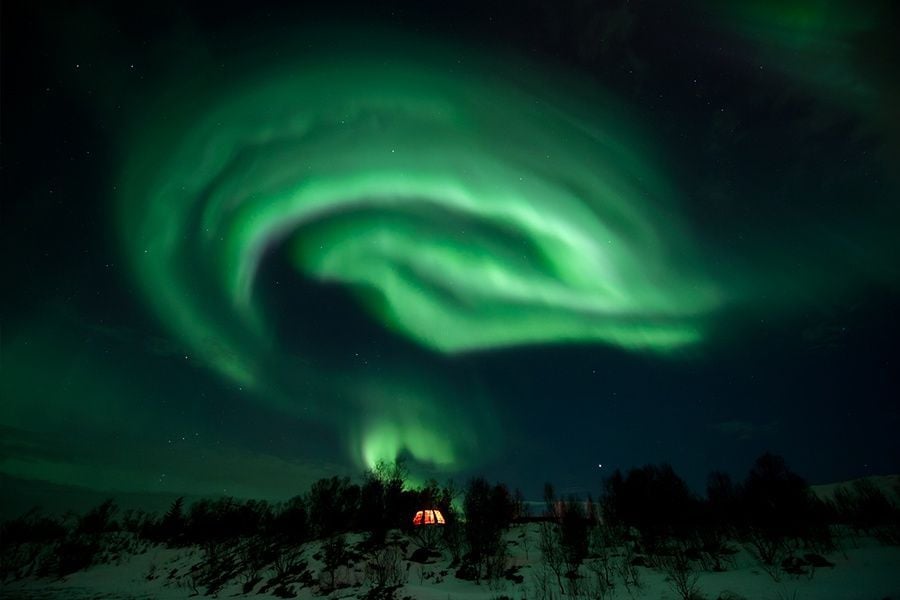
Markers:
point(428, 517)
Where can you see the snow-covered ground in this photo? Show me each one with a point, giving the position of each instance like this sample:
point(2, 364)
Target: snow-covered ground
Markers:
point(864, 570)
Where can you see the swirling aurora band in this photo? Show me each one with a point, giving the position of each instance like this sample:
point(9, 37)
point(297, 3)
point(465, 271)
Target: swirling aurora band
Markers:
point(471, 211)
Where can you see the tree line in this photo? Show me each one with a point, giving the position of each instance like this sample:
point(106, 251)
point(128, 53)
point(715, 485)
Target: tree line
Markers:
point(649, 510)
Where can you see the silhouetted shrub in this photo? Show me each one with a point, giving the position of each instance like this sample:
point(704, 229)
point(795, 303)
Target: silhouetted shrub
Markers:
point(31, 527)
point(24, 542)
point(75, 553)
point(521, 510)
point(868, 510)
point(553, 560)
point(681, 575)
point(335, 555)
point(284, 591)
point(385, 568)
point(872, 508)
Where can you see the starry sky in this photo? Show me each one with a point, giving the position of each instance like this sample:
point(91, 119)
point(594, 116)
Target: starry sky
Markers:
point(249, 247)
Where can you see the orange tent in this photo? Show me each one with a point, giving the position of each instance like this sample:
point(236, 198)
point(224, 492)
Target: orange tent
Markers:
point(432, 516)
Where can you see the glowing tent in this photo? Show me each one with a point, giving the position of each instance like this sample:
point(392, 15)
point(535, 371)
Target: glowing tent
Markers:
point(431, 516)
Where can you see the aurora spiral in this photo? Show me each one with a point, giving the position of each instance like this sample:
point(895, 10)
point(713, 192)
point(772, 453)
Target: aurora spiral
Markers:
point(470, 203)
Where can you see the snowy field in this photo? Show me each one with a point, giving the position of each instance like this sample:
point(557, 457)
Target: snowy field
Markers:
point(864, 570)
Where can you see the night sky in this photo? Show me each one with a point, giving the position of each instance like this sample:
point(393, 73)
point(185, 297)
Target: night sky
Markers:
point(247, 247)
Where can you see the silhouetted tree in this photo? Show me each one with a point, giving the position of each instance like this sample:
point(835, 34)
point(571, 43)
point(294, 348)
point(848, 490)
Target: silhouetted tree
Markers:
point(173, 524)
point(488, 512)
point(777, 504)
point(398, 502)
point(99, 519)
point(371, 514)
point(654, 500)
point(291, 522)
point(333, 505)
point(722, 499)
point(573, 533)
point(774, 498)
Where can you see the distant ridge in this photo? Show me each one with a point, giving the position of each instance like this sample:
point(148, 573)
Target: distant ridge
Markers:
point(20, 495)
point(888, 484)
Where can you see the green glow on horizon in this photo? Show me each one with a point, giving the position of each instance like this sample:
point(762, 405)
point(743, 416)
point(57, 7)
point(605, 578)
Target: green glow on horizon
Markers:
point(470, 211)
point(386, 441)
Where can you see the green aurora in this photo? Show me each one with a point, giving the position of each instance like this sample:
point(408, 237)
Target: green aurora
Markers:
point(523, 242)
point(469, 212)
